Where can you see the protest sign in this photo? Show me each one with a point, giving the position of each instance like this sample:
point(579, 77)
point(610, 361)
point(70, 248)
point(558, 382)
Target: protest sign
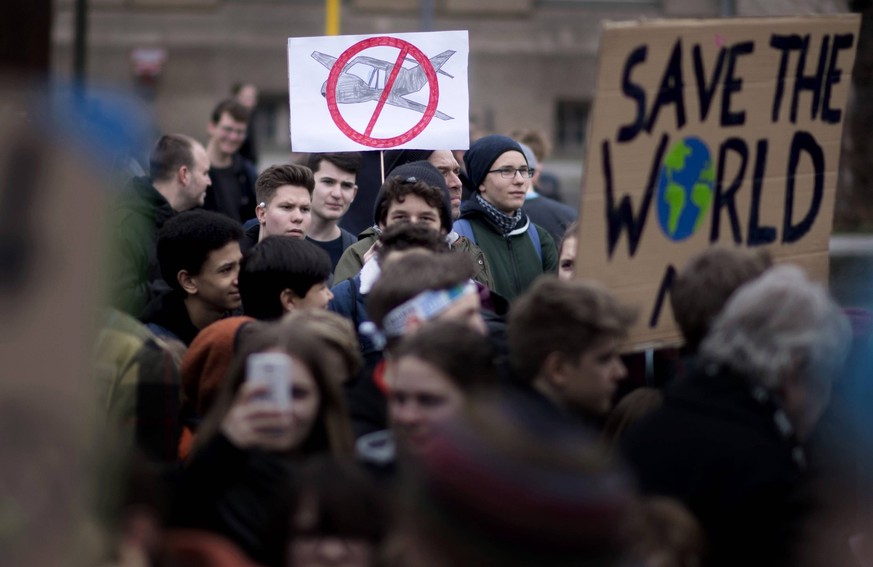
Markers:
point(711, 132)
point(351, 93)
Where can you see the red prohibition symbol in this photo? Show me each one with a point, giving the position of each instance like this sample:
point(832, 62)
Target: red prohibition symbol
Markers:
point(405, 48)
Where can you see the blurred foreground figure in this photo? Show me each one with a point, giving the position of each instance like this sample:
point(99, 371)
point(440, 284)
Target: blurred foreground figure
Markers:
point(564, 338)
point(506, 486)
point(340, 518)
point(56, 154)
point(728, 442)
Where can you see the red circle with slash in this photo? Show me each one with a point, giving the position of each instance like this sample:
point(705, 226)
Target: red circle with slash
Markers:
point(405, 48)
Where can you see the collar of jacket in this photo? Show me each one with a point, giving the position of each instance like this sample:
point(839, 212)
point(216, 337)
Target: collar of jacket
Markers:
point(472, 209)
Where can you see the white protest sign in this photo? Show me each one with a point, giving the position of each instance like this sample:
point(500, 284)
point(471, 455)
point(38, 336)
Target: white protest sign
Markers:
point(362, 92)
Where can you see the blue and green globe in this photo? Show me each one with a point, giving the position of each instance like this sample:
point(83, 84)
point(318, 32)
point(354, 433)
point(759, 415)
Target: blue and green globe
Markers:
point(685, 188)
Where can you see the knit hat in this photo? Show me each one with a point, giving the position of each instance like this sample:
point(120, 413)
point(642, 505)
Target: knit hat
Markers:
point(482, 155)
point(206, 363)
point(520, 487)
point(529, 156)
point(419, 171)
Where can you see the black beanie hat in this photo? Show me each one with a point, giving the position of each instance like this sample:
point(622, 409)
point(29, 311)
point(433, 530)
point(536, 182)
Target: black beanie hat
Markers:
point(420, 171)
point(482, 155)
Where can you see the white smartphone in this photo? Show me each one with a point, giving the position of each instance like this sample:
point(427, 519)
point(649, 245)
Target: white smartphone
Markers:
point(273, 369)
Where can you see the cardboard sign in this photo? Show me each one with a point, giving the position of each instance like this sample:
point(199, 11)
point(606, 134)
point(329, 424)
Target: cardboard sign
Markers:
point(350, 93)
point(711, 132)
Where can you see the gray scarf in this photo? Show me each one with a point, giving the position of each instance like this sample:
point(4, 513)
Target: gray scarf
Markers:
point(504, 222)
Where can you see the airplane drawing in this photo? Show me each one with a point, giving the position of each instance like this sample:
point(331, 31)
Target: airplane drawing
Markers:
point(363, 79)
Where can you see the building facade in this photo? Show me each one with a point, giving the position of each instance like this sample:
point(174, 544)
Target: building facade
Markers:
point(532, 62)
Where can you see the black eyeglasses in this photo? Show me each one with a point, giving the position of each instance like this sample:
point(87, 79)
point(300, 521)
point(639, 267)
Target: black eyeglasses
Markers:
point(509, 172)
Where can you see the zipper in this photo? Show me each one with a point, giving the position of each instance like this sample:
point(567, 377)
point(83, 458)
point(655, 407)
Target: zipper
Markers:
point(514, 264)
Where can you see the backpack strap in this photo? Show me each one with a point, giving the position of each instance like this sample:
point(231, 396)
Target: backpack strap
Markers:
point(463, 228)
point(535, 238)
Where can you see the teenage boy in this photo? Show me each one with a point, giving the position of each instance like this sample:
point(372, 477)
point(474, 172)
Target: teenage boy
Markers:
point(432, 373)
point(371, 175)
point(350, 295)
point(199, 255)
point(284, 194)
point(281, 274)
point(335, 189)
point(415, 192)
point(233, 177)
point(563, 344)
point(517, 250)
point(412, 292)
point(418, 288)
point(415, 288)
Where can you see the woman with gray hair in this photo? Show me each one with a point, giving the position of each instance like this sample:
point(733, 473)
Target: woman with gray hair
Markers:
point(728, 441)
point(788, 337)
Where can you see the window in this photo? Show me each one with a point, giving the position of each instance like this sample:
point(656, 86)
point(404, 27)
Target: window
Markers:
point(571, 126)
point(270, 123)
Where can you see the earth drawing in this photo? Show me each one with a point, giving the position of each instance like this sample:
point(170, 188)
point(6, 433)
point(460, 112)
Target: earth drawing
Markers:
point(685, 188)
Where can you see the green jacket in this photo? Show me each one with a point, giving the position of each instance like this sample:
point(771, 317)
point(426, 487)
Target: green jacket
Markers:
point(134, 273)
point(483, 274)
point(512, 261)
point(352, 259)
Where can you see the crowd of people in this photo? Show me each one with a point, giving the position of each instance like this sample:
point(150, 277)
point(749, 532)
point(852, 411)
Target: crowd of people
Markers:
point(443, 390)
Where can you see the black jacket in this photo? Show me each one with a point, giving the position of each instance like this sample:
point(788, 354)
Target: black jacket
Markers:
point(250, 237)
point(245, 495)
point(167, 316)
point(237, 201)
point(718, 450)
point(550, 214)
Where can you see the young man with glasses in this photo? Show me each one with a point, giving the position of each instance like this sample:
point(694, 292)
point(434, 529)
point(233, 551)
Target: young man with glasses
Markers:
point(517, 251)
point(233, 177)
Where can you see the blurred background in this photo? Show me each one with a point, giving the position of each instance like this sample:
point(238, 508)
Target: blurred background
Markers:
point(532, 65)
point(532, 62)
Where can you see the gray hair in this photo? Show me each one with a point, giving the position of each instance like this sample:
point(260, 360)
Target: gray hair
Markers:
point(775, 321)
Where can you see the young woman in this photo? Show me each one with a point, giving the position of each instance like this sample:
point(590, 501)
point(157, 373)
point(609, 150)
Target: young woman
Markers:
point(239, 480)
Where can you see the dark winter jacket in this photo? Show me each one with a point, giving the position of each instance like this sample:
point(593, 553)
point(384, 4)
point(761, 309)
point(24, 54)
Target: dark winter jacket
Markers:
point(550, 214)
point(726, 454)
point(250, 236)
point(512, 261)
point(244, 495)
point(167, 317)
point(236, 200)
point(135, 274)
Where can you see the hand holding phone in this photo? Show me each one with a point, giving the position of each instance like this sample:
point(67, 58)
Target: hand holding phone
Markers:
point(260, 415)
point(273, 369)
